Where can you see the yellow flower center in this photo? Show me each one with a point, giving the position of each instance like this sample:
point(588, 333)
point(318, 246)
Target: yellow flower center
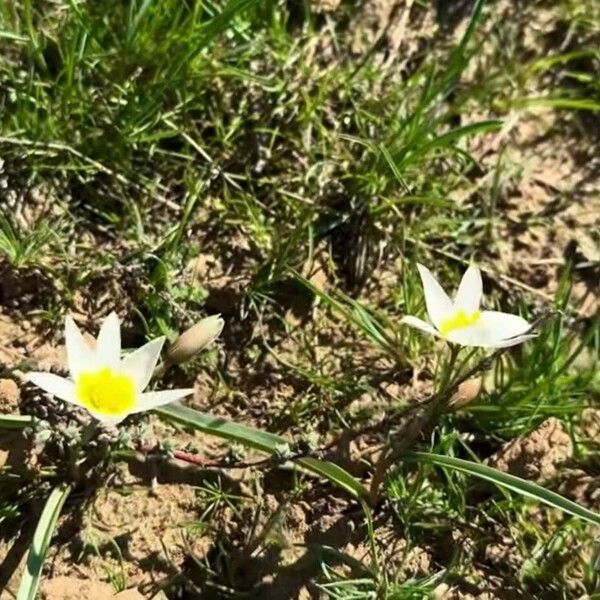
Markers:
point(105, 391)
point(459, 320)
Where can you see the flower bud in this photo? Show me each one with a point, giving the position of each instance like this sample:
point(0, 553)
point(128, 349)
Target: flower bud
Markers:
point(194, 339)
point(467, 392)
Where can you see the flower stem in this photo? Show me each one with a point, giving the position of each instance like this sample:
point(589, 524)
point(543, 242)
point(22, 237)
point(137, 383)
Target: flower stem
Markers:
point(87, 434)
point(448, 369)
point(415, 425)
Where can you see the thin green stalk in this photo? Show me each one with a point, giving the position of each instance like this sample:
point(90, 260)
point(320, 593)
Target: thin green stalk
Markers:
point(448, 369)
point(41, 542)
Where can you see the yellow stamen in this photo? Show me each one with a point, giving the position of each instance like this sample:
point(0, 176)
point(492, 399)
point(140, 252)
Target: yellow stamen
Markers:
point(459, 320)
point(106, 391)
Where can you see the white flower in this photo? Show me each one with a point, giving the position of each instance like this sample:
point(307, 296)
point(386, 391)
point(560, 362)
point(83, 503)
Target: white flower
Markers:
point(461, 321)
point(109, 387)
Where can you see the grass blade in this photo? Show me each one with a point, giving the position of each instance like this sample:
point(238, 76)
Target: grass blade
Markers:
point(217, 25)
point(460, 56)
point(454, 135)
point(511, 482)
point(557, 103)
point(260, 440)
point(16, 421)
point(474, 20)
point(136, 20)
point(354, 313)
point(41, 541)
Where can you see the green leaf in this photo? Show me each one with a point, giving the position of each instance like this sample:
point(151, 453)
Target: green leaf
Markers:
point(16, 421)
point(505, 480)
point(260, 440)
point(219, 427)
point(334, 473)
point(41, 541)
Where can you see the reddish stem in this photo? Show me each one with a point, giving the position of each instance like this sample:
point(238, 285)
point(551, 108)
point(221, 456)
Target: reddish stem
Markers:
point(188, 457)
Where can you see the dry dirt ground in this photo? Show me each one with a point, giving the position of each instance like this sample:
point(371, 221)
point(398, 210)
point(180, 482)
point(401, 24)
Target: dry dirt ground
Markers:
point(160, 525)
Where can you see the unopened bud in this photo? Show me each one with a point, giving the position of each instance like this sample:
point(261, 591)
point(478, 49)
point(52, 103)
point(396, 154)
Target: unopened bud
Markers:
point(467, 392)
point(194, 339)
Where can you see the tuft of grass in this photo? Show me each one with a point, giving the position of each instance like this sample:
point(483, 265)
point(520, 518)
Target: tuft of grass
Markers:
point(25, 248)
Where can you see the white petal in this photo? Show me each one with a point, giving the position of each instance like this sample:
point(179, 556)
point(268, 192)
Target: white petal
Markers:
point(79, 354)
point(504, 325)
point(468, 296)
point(513, 341)
point(108, 346)
point(109, 421)
point(140, 364)
point(493, 330)
point(419, 324)
point(151, 400)
point(439, 306)
point(53, 384)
